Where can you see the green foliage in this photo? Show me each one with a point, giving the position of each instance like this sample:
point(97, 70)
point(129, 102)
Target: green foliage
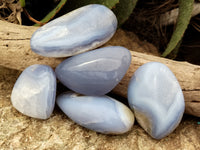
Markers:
point(74, 4)
point(175, 51)
point(22, 3)
point(185, 11)
point(123, 10)
point(53, 12)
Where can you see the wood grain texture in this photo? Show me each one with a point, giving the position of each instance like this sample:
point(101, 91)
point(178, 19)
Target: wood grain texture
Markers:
point(15, 53)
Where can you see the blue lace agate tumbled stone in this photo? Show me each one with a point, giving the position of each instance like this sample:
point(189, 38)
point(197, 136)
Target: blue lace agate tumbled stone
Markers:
point(99, 113)
point(156, 98)
point(78, 31)
point(95, 72)
point(34, 92)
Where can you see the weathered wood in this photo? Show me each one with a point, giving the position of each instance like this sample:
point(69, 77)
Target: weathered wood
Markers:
point(187, 74)
point(15, 53)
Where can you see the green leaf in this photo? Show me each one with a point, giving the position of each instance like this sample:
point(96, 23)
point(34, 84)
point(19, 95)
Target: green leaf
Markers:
point(124, 9)
point(185, 11)
point(22, 3)
point(74, 4)
point(175, 51)
point(53, 12)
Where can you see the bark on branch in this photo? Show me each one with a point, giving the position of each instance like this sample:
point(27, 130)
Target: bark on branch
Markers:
point(15, 53)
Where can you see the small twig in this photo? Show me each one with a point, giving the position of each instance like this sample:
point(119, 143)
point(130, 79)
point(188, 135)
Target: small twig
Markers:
point(31, 18)
point(196, 26)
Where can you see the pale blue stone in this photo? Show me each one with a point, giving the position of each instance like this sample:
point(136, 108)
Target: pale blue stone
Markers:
point(156, 98)
point(81, 30)
point(34, 92)
point(95, 72)
point(99, 113)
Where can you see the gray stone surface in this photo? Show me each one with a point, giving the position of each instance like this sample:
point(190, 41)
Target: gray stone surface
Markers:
point(95, 72)
point(98, 113)
point(78, 31)
point(156, 98)
point(59, 132)
point(34, 92)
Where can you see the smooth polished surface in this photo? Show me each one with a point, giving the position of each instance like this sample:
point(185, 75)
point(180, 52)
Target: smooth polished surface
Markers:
point(78, 31)
point(156, 98)
point(99, 113)
point(95, 72)
point(34, 92)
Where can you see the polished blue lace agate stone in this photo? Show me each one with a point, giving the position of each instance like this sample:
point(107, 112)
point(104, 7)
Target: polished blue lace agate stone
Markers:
point(34, 92)
point(99, 113)
point(81, 30)
point(95, 72)
point(156, 98)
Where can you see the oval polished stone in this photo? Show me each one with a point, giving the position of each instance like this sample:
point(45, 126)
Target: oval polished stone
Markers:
point(95, 72)
point(156, 98)
point(34, 92)
point(99, 113)
point(81, 30)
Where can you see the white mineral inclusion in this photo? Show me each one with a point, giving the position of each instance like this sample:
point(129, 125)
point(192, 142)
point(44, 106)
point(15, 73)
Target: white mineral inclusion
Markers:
point(34, 92)
point(156, 98)
point(78, 31)
point(99, 113)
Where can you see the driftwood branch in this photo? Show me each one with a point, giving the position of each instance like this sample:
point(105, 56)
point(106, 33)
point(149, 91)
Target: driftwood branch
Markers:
point(15, 53)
